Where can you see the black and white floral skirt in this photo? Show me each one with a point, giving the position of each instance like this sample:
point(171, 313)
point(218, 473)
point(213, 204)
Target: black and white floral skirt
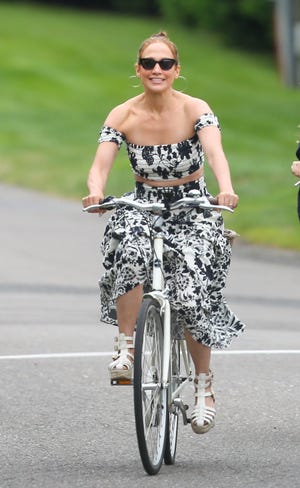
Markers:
point(196, 262)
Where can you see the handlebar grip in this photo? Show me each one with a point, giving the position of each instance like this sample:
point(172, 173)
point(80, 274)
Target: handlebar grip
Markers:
point(213, 200)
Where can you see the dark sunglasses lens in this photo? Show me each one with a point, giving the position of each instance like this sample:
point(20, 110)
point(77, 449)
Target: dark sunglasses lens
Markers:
point(148, 63)
point(166, 64)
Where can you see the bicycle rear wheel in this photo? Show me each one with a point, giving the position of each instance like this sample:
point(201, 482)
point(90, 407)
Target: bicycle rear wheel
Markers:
point(150, 399)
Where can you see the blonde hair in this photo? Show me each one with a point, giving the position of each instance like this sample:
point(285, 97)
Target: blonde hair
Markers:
point(159, 37)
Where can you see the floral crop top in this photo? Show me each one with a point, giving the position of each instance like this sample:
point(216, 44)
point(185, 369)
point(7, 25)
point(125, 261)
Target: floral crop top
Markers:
point(166, 161)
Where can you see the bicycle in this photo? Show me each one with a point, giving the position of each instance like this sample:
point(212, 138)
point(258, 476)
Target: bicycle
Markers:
point(162, 364)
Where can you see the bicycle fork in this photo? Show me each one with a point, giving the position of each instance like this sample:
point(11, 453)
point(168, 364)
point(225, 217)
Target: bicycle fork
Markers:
point(157, 287)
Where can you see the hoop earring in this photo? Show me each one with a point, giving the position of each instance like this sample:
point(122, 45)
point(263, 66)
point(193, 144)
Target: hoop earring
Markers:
point(134, 86)
point(182, 78)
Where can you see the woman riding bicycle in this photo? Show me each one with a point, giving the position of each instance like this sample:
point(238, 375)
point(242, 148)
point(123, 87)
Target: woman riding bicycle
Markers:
point(167, 134)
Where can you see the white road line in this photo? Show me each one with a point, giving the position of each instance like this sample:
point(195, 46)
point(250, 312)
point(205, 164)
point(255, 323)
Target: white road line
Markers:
point(103, 354)
point(58, 355)
point(259, 351)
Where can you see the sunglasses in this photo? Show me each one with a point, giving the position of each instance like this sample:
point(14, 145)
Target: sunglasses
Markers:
point(165, 64)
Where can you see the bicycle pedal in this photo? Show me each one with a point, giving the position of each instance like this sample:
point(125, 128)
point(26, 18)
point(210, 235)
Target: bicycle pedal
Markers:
point(121, 382)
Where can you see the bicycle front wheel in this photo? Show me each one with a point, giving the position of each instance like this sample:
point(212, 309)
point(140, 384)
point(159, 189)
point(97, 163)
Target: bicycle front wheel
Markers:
point(173, 410)
point(150, 399)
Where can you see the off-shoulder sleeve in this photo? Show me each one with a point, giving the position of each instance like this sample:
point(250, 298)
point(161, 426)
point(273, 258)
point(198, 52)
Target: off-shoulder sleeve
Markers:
point(205, 120)
point(109, 134)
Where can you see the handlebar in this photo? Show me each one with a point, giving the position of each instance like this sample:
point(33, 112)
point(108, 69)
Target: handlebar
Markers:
point(193, 200)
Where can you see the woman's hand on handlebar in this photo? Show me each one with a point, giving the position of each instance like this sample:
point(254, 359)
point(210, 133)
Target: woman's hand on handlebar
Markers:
point(228, 199)
point(295, 168)
point(93, 200)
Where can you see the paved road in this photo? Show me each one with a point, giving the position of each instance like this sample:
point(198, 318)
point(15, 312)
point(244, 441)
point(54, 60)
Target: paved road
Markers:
point(63, 426)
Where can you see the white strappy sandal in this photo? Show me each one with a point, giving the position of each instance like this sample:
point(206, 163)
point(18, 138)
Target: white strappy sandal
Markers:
point(203, 417)
point(121, 368)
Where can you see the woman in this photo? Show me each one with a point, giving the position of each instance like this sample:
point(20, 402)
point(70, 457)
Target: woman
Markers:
point(167, 133)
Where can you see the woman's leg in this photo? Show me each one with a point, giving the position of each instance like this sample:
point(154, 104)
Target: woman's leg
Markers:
point(128, 306)
point(200, 354)
point(201, 358)
point(203, 414)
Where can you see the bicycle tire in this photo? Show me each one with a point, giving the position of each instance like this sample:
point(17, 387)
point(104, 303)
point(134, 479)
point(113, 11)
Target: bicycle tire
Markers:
point(150, 399)
point(173, 411)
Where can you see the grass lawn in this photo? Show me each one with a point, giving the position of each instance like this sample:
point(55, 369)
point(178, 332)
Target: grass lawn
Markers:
point(63, 70)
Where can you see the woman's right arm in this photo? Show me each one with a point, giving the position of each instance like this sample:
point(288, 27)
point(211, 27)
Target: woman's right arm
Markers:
point(99, 172)
point(104, 159)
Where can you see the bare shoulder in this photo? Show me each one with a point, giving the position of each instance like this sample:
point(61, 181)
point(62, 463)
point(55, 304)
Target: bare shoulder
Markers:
point(195, 107)
point(118, 115)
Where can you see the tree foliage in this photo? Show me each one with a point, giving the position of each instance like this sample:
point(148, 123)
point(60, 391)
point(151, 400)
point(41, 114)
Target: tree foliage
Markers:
point(244, 23)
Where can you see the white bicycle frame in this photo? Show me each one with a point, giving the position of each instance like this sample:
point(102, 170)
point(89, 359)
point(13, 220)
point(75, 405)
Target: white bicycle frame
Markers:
point(158, 295)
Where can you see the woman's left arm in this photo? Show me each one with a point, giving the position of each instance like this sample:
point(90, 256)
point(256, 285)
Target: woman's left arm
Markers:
point(210, 138)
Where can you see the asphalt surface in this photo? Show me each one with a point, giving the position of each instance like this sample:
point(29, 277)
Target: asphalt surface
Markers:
point(64, 426)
